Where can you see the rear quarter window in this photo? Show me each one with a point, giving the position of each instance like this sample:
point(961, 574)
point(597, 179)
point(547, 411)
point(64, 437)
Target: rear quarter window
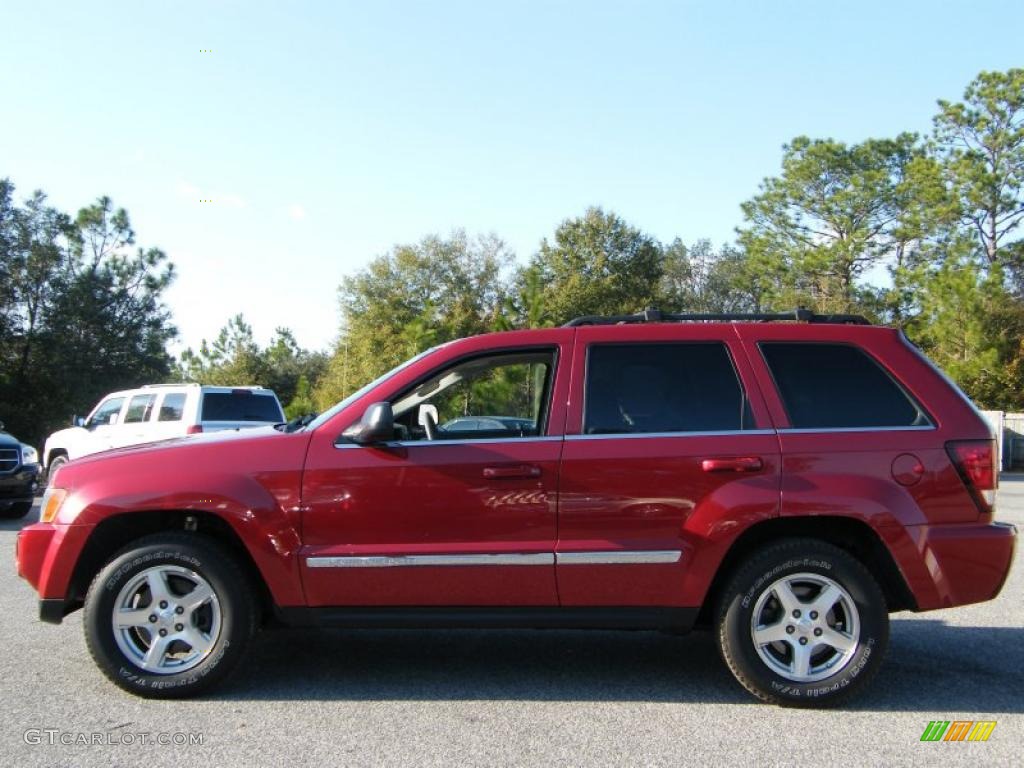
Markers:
point(173, 407)
point(240, 406)
point(838, 386)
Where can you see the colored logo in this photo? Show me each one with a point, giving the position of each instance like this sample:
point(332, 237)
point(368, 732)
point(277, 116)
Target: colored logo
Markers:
point(958, 730)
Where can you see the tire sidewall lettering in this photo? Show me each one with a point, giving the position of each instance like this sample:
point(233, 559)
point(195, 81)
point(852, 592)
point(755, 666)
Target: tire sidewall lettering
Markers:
point(226, 582)
point(736, 642)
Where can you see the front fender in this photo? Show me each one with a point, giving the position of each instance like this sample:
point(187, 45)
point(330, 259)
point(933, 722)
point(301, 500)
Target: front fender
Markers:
point(261, 510)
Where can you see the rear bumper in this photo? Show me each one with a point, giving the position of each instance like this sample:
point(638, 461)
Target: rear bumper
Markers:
point(45, 555)
point(958, 564)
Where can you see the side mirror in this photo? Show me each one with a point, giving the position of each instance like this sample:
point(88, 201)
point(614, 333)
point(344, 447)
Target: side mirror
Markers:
point(376, 426)
point(77, 421)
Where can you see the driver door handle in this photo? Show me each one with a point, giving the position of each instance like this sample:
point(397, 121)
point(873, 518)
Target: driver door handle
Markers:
point(519, 470)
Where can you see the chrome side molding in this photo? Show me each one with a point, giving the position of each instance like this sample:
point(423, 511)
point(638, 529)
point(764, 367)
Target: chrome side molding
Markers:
point(619, 557)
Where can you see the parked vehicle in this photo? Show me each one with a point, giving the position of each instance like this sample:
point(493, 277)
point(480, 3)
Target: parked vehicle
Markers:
point(19, 476)
point(786, 484)
point(158, 412)
point(472, 425)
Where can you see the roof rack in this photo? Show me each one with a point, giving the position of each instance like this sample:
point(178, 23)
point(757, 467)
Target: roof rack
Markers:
point(657, 316)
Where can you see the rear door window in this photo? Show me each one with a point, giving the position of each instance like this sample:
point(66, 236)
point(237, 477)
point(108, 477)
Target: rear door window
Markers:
point(240, 406)
point(838, 386)
point(139, 409)
point(671, 387)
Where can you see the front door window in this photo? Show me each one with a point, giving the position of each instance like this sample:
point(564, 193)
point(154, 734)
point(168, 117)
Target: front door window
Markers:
point(496, 397)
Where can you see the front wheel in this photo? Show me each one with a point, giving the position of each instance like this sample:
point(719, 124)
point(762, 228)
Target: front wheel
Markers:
point(169, 616)
point(803, 624)
point(55, 463)
point(15, 510)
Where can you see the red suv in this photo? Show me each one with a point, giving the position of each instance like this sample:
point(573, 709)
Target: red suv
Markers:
point(788, 484)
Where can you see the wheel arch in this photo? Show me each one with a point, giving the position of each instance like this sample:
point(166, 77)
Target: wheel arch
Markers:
point(116, 532)
point(52, 454)
point(850, 534)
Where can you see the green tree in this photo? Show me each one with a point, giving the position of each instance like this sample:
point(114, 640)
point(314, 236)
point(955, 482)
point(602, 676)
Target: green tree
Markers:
point(526, 305)
point(965, 210)
point(698, 278)
point(302, 402)
point(980, 143)
point(81, 308)
point(597, 264)
point(831, 216)
point(235, 358)
point(411, 298)
point(972, 328)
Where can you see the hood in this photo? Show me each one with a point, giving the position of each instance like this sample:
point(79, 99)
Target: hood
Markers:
point(8, 440)
point(186, 442)
point(62, 435)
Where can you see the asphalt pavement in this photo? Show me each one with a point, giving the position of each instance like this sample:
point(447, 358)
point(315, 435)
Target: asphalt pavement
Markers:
point(548, 698)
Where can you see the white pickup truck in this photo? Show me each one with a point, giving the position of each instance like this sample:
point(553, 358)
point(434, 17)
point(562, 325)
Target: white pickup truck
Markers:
point(158, 412)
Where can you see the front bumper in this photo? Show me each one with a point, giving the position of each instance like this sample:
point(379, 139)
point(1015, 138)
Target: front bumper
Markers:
point(19, 485)
point(46, 555)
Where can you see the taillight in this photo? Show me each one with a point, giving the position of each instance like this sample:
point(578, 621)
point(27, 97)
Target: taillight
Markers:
point(195, 429)
point(975, 460)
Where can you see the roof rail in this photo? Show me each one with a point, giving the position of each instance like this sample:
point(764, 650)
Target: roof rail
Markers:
point(172, 384)
point(657, 316)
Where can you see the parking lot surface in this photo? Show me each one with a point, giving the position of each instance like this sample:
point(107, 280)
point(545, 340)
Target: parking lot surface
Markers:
point(548, 698)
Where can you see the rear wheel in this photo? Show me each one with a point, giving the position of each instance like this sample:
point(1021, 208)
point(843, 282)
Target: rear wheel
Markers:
point(803, 624)
point(169, 617)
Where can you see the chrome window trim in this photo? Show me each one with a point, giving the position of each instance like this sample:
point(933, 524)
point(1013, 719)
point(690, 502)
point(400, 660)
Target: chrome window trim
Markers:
point(413, 561)
point(468, 441)
point(640, 435)
point(634, 435)
point(643, 557)
point(809, 430)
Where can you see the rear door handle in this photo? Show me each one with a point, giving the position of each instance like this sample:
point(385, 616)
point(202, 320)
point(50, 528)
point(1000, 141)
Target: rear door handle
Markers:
point(733, 464)
point(520, 470)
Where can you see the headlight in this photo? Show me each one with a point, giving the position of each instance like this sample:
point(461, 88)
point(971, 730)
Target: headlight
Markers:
point(29, 455)
point(53, 499)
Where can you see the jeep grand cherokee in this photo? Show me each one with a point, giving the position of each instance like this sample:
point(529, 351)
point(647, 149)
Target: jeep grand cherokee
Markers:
point(787, 484)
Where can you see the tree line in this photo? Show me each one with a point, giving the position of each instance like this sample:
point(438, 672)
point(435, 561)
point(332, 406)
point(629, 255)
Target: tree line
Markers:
point(916, 231)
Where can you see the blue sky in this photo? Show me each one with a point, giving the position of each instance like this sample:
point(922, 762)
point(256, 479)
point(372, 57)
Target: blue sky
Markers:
point(326, 132)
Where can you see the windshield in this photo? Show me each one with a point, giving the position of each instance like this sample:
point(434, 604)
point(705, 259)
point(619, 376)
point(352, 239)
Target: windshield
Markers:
point(328, 414)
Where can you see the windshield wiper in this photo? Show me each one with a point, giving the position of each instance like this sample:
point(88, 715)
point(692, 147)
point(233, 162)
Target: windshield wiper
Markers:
point(295, 424)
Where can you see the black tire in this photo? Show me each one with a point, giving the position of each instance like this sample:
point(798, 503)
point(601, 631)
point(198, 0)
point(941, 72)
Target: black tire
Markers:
point(736, 609)
point(16, 510)
point(55, 463)
point(196, 554)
